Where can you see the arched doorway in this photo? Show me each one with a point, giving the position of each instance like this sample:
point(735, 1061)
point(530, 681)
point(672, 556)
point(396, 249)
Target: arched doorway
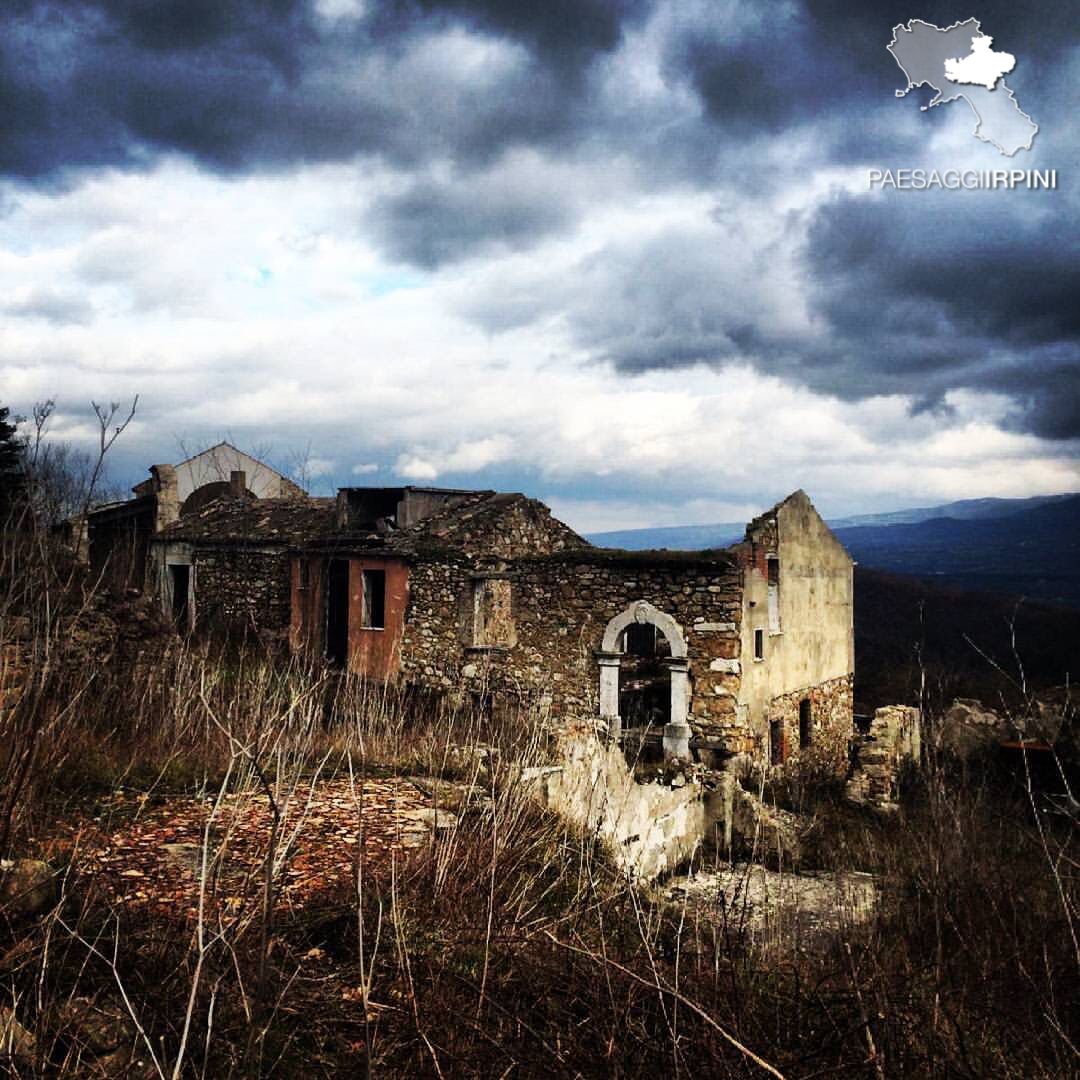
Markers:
point(610, 658)
point(644, 677)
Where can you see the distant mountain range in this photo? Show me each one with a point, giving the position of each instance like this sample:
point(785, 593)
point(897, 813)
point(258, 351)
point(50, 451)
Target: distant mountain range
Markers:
point(1023, 547)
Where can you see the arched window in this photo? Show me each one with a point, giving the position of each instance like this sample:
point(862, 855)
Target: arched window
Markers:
point(610, 656)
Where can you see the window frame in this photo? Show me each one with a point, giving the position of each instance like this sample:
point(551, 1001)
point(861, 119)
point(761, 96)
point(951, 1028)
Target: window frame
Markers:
point(368, 609)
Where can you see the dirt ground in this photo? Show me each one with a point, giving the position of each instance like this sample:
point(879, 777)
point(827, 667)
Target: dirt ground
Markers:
point(767, 903)
point(153, 851)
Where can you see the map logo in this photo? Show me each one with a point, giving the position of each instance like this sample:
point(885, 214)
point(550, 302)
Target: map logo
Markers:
point(959, 63)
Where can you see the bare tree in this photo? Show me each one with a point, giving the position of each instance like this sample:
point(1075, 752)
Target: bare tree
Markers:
point(106, 415)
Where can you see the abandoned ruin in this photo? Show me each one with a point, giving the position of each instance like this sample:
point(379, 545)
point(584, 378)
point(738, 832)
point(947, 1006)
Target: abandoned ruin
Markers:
point(743, 651)
point(739, 656)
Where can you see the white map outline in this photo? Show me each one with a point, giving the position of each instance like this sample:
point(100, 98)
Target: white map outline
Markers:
point(960, 93)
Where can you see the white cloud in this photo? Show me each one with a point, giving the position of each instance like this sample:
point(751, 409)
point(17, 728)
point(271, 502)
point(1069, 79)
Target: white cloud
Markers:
point(316, 467)
point(247, 308)
point(415, 468)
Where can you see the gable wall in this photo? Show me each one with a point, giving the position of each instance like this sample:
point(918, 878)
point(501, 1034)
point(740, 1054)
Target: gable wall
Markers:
point(812, 654)
point(215, 465)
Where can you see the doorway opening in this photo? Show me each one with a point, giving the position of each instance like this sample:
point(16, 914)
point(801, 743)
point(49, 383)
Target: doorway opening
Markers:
point(337, 612)
point(644, 691)
point(180, 573)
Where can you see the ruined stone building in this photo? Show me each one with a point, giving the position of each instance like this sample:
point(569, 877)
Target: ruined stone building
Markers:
point(742, 651)
point(120, 533)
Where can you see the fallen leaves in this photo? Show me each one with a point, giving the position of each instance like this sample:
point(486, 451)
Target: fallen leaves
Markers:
point(155, 856)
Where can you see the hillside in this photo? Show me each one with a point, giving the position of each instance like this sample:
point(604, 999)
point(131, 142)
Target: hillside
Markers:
point(721, 534)
point(964, 643)
point(1029, 549)
point(1032, 553)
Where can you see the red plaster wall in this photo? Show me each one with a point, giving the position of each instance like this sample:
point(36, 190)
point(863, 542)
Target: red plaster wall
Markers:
point(371, 652)
point(306, 607)
point(377, 652)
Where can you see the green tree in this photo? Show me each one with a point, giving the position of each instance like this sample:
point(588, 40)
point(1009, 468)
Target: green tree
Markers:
point(12, 474)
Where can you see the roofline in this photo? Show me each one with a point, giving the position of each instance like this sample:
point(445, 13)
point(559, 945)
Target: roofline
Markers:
point(121, 507)
point(416, 487)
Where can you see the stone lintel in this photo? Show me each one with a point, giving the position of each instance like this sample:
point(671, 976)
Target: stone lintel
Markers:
point(727, 667)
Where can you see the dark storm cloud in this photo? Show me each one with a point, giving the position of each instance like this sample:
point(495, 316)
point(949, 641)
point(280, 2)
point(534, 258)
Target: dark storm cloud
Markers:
point(240, 85)
point(771, 68)
point(237, 84)
point(87, 84)
point(431, 223)
point(915, 295)
point(568, 33)
point(934, 294)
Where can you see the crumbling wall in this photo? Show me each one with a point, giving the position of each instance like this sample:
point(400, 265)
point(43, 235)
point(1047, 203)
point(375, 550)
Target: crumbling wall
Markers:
point(654, 827)
point(739, 823)
point(552, 615)
point(559, 607)
point(830, 730)
point(895, 737)
point(650, 829)
point(565, 604)
point(242, 591)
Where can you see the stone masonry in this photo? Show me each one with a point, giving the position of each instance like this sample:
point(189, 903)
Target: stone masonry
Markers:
point(741, 652)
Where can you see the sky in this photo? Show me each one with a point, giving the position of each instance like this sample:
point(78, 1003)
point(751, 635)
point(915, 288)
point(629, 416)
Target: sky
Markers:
point(621, 256)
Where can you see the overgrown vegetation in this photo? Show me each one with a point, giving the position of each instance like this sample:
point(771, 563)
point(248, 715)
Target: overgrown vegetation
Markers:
point(504, 945)
point(920, 643)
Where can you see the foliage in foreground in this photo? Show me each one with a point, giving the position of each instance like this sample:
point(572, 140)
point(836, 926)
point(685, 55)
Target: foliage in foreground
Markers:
point(509, 945)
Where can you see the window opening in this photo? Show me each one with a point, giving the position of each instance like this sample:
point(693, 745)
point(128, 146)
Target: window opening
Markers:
point(759, 644)
point(644, 677)
point(374, 609)
point(493, 613)
point(773, 567)
point(805, 724)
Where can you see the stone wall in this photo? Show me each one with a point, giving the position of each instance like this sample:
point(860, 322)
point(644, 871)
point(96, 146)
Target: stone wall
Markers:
point(830, 729)
point(560, 607)
point(894, 737)
point(502, 527)
point(438, 621)
point(242, 590)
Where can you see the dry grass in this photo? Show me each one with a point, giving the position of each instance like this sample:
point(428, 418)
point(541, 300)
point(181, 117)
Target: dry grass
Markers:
point(509, 946)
